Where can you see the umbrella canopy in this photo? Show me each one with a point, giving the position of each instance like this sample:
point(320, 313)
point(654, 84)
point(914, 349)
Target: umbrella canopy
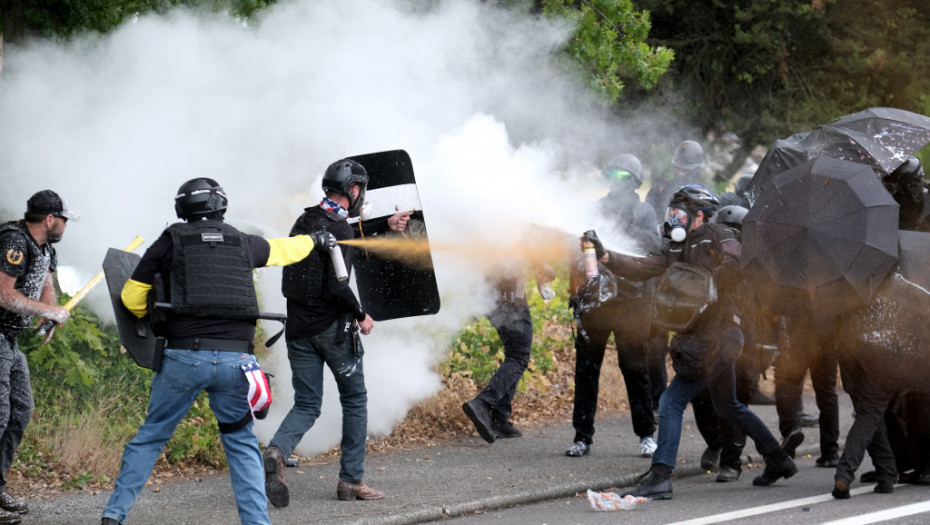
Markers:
point(883, 138)
point(821, 237)
point(891, 338)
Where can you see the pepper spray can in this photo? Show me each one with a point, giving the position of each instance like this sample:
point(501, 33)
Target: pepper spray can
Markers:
point(590, 259)
point(339, 264)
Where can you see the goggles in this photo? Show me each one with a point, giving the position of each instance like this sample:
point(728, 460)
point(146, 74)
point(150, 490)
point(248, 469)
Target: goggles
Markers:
point(618, 175)
point(676, 214)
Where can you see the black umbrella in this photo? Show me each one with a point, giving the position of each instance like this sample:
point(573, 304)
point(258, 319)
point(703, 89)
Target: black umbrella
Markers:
point(883, 138)
point(820, 238)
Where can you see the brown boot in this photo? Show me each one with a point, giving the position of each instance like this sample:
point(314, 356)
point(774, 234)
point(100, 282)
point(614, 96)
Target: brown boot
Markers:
point(346, 491)
point(275, 484)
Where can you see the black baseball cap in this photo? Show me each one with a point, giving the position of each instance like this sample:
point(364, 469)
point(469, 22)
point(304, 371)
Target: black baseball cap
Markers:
point(48, 202)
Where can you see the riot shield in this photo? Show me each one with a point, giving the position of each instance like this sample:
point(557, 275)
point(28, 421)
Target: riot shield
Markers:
point(390, 286)
point(135, 334)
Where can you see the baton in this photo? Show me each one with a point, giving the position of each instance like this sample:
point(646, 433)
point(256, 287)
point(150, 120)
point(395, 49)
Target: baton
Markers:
point(76, 298)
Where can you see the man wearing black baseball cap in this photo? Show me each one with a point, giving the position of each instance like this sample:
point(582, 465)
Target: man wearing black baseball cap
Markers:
point(27, 261)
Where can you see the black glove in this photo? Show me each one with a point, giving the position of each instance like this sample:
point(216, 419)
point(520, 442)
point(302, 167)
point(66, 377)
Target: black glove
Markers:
point(591, 236)
point(323, 239)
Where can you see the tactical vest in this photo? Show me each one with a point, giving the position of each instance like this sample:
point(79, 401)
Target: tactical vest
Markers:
point(304, 280)
point(211, 275)
point(32, 282)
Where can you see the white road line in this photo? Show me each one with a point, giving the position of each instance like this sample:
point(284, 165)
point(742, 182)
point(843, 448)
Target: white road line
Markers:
point(765, 509)
point(884, 515)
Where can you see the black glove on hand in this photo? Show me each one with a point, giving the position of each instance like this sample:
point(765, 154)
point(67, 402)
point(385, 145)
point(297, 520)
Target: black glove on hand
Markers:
point(591, 236)
point(323, 239)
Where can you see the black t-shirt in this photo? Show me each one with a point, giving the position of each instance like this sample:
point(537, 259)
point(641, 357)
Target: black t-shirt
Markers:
point(22, 257)
point(158, 260)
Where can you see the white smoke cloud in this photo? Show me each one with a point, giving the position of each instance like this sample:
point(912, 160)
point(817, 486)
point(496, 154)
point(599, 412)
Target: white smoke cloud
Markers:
point(499, 133)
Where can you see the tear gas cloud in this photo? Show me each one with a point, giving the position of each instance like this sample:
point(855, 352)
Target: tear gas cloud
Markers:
point(500, 136)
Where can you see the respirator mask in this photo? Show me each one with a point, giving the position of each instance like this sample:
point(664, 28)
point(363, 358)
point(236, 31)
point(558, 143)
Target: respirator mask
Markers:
point(676, 224)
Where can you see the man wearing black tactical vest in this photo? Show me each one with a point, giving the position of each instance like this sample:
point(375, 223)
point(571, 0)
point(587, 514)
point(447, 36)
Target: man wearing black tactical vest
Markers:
point(205, 267)
point(704, 350)
point(322, 313)
point(27, 262)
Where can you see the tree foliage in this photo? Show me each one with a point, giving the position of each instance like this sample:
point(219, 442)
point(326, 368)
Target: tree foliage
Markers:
point(63, 18)
point(609, 44)
point(769, 68)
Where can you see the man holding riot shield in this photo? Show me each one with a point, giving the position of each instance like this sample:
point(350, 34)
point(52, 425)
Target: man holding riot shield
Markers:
point(324, 317)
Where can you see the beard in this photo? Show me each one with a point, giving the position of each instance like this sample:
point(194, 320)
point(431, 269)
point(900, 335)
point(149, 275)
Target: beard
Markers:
point(54, 236)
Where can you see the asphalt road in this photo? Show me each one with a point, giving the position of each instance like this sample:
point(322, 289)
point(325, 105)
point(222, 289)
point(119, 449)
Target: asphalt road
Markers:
point(459, 479)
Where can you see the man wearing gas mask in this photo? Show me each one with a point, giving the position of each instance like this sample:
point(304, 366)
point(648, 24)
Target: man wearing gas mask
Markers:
point(707, 341)
point(628, 316)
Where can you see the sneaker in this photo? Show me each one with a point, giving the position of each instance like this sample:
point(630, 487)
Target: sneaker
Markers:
point(479, 412)
point(728, 473)
point(652, 486)
point(884, 487)
point(275, 484)
point(710, 459)
point(346, 491)
point(505, 430)
point(647, 446)
point(777, 465)
point(792, 441)
point(578, 449)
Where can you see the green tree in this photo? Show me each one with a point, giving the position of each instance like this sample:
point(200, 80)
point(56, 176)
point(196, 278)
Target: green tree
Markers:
point(765, 69)
point(22, 19)
point(609, 44)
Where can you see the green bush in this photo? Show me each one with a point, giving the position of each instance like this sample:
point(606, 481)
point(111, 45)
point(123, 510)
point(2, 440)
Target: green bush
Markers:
point(477, 351)
point(82, 375)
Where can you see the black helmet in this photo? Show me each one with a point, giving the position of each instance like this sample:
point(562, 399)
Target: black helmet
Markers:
point(340, 176)
point(689, 155)
point(742, 184)
point(694, 198)
point(731, 215)
point(625, 168)
point(911, 169)
point(198, 198)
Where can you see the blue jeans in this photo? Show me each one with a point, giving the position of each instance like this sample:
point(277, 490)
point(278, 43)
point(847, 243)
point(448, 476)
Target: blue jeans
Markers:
point(722, 386)
point(184, 373)
point(307, 357)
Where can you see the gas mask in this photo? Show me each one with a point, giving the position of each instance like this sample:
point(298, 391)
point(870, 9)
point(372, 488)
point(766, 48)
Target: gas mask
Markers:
point(676, 224)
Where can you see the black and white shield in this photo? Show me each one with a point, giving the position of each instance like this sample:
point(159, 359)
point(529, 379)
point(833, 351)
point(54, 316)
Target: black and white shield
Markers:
point(400, 281)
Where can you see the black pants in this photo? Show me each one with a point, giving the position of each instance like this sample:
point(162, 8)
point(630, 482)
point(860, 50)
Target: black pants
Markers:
point(632, 358)
point(658, 373)
point(514, 325)
point(717, 432)
point(814, 349)
point(868, 432)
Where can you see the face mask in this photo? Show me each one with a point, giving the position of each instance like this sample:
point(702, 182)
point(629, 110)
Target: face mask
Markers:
point(675, 226)
point(365, 212)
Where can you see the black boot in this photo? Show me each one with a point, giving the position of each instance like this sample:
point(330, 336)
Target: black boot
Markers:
point(777, 465)
point(654, 484)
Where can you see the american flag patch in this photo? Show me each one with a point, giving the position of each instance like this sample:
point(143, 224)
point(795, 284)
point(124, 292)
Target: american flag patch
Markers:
point(259, 391)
